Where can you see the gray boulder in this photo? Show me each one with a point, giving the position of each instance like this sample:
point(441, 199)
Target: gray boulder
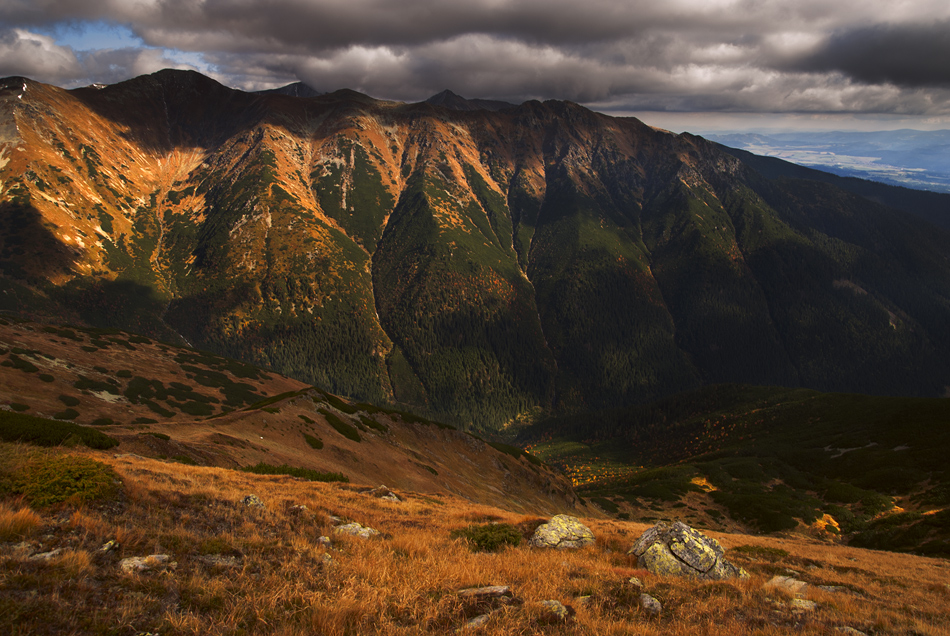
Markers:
point(678, 550)
point(563, 532)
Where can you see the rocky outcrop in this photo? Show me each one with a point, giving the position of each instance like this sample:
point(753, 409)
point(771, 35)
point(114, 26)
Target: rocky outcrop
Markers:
point(357, 530)
point(562, 532)
point(678, 550)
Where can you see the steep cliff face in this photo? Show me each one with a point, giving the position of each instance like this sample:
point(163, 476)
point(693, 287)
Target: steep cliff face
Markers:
point(482, 264)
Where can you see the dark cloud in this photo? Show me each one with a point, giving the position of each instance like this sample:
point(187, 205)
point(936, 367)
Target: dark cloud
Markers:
point(914, 55)
point(674, 55)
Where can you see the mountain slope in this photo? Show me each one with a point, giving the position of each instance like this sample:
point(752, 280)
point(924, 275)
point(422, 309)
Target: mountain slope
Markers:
point(161, 401)
point(480, 264)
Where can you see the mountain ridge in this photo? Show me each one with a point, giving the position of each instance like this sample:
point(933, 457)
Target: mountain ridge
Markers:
point(485, 265)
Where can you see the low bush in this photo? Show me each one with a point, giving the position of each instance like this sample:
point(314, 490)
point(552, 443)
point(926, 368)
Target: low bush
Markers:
point(294, 471)
point(340, 426)
point(489, 537)
point(54, 479)
point(15, 427)
point(313, 442)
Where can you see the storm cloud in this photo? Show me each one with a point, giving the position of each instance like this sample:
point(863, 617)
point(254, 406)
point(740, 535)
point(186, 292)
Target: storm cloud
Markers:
point(808, 56)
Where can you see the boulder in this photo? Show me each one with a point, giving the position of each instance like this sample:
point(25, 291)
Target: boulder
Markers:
point(356, 530)
point(678, 550)
point(787, 583)
point(381, 492)
point(563, 532)
point(147, 563)
point(252, 501)
point(553, 612)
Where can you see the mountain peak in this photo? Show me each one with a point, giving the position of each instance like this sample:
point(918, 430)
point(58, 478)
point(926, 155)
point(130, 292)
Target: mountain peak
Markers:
point(297, 89)
point(454, 101)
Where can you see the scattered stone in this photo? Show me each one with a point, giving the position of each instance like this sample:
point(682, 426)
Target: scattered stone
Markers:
point(46, 556)
point(221, 560)
point(681, 551)
point(802, 605)
point(833, 588)
point(850, 631)
point(562, 532)
point(324, 541)
point(381, 492)
point(334, 520)
point(23, 549)
point(109, 546)
point(147, 563)
point(787, 583)
point(583, 600)
point(478, 621)
point(486, 593)
point(555, 612)
point(635, 582)
point(298, 510)
point(253, 501)
point(356, 530)
point(649, 605)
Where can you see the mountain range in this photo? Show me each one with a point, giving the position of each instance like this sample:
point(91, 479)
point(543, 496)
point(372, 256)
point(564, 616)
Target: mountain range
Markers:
point(481, 262)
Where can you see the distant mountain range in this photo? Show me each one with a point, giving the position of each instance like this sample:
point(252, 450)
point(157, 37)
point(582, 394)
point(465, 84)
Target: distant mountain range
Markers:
point(480, 264)
point(911, 158)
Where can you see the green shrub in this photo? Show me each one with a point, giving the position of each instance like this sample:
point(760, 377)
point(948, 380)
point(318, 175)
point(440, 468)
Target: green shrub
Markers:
point(294, 471)
point(16, 406)
point(196, 408)
point(606, 504)
point(306, 419)
point(762, 552)
point(46, 377)
point(158, 435)
point(68, 400)
point(340, 426)
point(373, 424)
point(489, 537)
point(184, 459)
point(15, 427)
point(123, 374)
point(52, 480)
point(68, 414)
point(103, 421)
point(314, 442)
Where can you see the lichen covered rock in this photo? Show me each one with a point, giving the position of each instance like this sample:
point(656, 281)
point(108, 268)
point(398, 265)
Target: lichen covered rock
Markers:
point(562, 531)
point(678, 550)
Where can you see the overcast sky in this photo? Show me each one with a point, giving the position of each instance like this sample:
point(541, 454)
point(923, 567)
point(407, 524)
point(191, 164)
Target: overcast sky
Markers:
point(682, 64)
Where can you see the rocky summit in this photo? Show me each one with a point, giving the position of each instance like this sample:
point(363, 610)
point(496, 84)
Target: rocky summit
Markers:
point(482, 263)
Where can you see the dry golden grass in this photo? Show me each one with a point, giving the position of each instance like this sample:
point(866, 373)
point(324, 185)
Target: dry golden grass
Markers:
point(17, 524)
point(406, 581)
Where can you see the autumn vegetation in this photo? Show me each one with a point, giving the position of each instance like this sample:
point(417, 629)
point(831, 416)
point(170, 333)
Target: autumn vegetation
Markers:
point(279, 579)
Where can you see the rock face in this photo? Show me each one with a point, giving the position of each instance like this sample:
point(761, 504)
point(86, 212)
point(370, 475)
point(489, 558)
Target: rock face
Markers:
point(679, 550)
point(562, 531)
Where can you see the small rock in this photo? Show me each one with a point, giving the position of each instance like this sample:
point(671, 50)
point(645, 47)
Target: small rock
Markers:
point(253, 501)
point(486, 593)
point(478, 621)
point(650, 606)
point(562, 532)
point(833, 588)
point(787, 583)
point(555, 612)
point(109, 546)
point(298, 510)
point(635, 582)
point(802, 605)
point(356, 530)
point(582, 600)
point(220, 560)
point(334, 520)
point(381, 492)
point(324, 541)
point(147, 563)
point(45, 556)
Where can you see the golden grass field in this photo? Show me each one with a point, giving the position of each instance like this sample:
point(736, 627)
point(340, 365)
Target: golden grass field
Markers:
point(404, 582)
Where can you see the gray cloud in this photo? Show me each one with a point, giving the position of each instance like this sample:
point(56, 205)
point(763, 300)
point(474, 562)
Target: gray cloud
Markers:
point(902, 54)
point(675, 55)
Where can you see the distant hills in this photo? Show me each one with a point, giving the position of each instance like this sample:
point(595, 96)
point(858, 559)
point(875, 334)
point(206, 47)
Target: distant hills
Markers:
point(482, 265)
